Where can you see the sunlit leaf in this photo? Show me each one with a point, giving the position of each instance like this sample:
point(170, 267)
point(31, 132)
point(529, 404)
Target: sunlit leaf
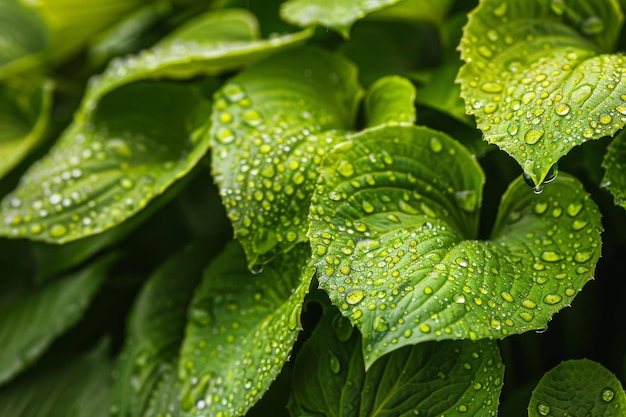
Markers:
point(104, 169)
point(271, 126)
point(75, 387)
point(578, 388)
point(24, 114)
point(155, 332)
point(241, 331)
point(414, 11)
point(390, 100)
point(393, 233)
point(540, 79)
point(29, 324)
point(430, 379)
point(615, 165)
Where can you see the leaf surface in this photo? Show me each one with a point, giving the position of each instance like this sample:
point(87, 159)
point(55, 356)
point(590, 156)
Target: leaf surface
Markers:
point(241, 331)
point(430, 379)
point(615, 169)
point(393, 235)
point(271, 126)
point(540, 78)
point(29, 323)
point(106, 168)
point(390, 100)
point(578, 388)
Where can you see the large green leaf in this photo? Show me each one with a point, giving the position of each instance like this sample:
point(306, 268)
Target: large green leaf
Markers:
point(241, 331)
point(393, 228)
point(578, 388)
point(615, 165)
point(155, 332)
point(452, 378)
point(29, 324)
point(390, 100)
point(539, 78)
point(271, 126)
point(24, 114)
point(212, 43)
point(77, 386)
point(106, 168)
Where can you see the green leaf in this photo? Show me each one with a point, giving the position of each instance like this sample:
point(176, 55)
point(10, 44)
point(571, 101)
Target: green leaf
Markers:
point(393, 234)
point(24, 115)
point(390, 100)
point(210, 44)
point(154, 334)
point(241, 331)
point(430, 379)
point(29, 324)
point(578, 388)
point(538, 77)
point(338, 15)
point(271, 128)
point(75, 387)
point(615, 174)
point(106, 168)
point(414, 11)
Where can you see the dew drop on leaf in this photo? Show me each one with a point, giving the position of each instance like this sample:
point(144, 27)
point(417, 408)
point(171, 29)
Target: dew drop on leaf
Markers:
point(607, 395)
point(333, 362)
point(543, 409)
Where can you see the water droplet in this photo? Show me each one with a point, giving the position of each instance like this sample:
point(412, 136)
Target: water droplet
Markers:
point(558, 6)
point(551, 256)
point(582, 257)
point(380, 324)
point(354, 296)
point(467, 200)
point(126, 183)
point(543, 409)
point(562, 109)
point(252, 118)
point(200, 316)
point(552, 299)
point(257, 269)
point(342, 327)
point(581, 94)
point(500, 10)
point(553, 172)
point(607, 395)
point(532, 136)
point(435, 145)
point(459, 298)
point(233, 92)
point(492, 88)
point(592, 25)
point(225, 135)
point(58, 230)
point(345, 168)
point(333, 362)
point(424, 328)
point(573, 209)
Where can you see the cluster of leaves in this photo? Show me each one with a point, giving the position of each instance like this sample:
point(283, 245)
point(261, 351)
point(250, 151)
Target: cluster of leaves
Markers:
point(327, 176)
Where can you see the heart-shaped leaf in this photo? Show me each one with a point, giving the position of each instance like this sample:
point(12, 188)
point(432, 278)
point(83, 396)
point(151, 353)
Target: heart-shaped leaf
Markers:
point(615, 165)
point(578, 388)
point(106, 168)
point(430, 379)
point(241, 331)
point(270, 129)
point(539, 78)
point(390, 100)
point(393, 229)
point(24, 114)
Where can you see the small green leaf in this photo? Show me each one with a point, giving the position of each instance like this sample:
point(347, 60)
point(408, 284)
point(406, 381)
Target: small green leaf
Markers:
point(29, 324)
point(390, 100)
point(210, 44)
point(25, 112)
point(106, 168)
point(393, 227)
point(270, 129)
point(454, 378)
point(539, 78)
point(578, 388)
point(615, 174)
point(241, 331)
point(339, 15)
point(78, 386)
point(155, 332)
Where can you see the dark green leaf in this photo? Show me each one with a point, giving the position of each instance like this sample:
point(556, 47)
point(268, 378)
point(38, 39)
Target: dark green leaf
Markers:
point(539, 78)
point(390, 100)
point(106, 168)
point(393, 231)
point(271, 127)
point(615, 165)
point(578, 388)
point(155, 332)
point(452, 378)
point(76, 387)
point(241, 331)
point(29, 324)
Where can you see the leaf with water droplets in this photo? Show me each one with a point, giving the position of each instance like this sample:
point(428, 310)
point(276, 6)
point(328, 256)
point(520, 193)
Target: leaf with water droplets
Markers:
point(540, 78)
point(29, 324)
point(25, 109)
point(107, 167)
point(398, 251)
point(429, 379)
point(578, 388)
point(154, 334)
point(390, 100)
point(212, 43)
point(241, 329)
point(615, 165)
point(271, 127)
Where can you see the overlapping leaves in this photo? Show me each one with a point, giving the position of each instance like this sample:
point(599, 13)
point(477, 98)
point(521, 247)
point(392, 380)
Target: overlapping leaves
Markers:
point(615, 165)
point(393, 234)
point(540, 79)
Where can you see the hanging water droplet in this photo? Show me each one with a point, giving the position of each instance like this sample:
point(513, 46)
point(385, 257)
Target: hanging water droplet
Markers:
point(257, 269)
point(552, 174)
